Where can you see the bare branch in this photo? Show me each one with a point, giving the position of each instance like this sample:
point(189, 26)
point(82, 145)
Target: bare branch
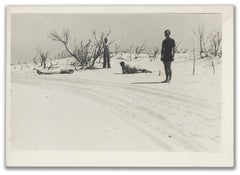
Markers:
point(139, 50)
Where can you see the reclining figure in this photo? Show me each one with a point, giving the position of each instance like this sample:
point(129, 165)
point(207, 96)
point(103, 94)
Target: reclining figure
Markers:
point(127, 69)
point(61, 71)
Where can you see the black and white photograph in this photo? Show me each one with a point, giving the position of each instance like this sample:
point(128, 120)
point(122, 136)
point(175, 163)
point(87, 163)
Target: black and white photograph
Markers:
point(120, 83)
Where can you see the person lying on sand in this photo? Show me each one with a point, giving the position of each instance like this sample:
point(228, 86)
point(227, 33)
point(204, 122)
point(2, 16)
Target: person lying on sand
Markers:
point(61, 71)
point(127, 69)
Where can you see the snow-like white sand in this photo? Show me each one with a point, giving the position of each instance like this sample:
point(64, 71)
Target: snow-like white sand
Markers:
point(104, 110)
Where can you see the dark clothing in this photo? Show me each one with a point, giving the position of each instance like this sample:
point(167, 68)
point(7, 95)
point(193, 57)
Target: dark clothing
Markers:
point(130, 70)
point(167, 56)
point(167, 49)
point(167, 65)
point(106, 57)
point(126, 69)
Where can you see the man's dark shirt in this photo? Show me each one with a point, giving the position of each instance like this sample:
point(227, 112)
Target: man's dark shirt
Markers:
point(106, 51)
point(167, 49)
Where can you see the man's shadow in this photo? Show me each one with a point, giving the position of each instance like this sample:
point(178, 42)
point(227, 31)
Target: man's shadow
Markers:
point(157, 82)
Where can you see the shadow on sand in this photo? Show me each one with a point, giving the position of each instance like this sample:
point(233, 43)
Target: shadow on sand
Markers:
point(95, 68)
point(157, 82)
point(118, 73)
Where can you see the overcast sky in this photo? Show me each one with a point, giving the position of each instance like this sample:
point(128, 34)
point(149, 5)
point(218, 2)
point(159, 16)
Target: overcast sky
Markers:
point(29, 31)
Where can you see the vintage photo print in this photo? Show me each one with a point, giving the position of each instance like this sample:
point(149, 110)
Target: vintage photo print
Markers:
point(119, 86)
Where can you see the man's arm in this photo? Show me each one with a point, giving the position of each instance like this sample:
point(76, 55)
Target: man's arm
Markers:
point(173, 50)
point(162, 51)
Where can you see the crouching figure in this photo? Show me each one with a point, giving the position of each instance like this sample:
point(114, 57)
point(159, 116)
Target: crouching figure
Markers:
point(127, 69)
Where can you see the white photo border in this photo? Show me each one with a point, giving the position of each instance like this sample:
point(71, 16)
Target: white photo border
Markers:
point(225, 158)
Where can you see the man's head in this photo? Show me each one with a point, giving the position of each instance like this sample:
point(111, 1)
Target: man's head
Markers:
point(105, 40)
point(123, 66)
point(122, 63)
point(167, 33)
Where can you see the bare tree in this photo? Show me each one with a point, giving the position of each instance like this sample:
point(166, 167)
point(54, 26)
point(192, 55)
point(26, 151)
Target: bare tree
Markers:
point(87, 53)
point(200, 36)
point(82, 52)
point(117, 48)
point(64, 39)
point(25, 63)
point(211, 59)
point(52, 65)
point(43, 57)
point(182, 50)
point(153, 54)
point(97, 47)
point(139, 50)
point(130, 51)
point(62, 55)
point(215, 40)
point(35, 60)
point(177, 50)
point(194, 59)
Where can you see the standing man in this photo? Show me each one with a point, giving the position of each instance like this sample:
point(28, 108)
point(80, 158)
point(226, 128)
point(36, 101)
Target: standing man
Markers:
point(167, 55)
point(106, 55)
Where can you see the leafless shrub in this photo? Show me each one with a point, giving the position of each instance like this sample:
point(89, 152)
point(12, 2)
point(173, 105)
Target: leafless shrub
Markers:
point(130, 52)
point(43, 56)
point(177, 50)
point(62, 55)
point(64, 39)
point(213, 64)
point(215, 43)
point(85, 54)
point(35, 60)
point(199, 34)
point(98, 46)
point(139, 50)
point(153, 53)
point(25, 63)
point(52, 65)
point(194, 60)
point(182, 50)
point(117, 50)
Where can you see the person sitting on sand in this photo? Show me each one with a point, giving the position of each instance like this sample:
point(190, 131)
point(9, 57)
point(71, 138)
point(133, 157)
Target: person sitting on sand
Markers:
point(127, 69)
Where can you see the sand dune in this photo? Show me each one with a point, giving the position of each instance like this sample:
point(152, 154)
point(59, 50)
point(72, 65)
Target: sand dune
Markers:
point(105, 110)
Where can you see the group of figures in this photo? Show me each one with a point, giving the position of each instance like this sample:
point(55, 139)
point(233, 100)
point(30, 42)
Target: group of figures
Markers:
point(167, 56)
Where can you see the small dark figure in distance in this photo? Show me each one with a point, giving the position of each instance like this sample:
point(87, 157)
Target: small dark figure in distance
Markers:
point(106, 55)
point(126, 69)
point(43, 59)
point(167, 55)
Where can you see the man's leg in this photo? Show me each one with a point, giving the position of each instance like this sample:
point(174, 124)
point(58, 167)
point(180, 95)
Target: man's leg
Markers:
point(108, 62)
point(144, 71)
point(104, 62)
point(166, 70)
point(169, 70)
